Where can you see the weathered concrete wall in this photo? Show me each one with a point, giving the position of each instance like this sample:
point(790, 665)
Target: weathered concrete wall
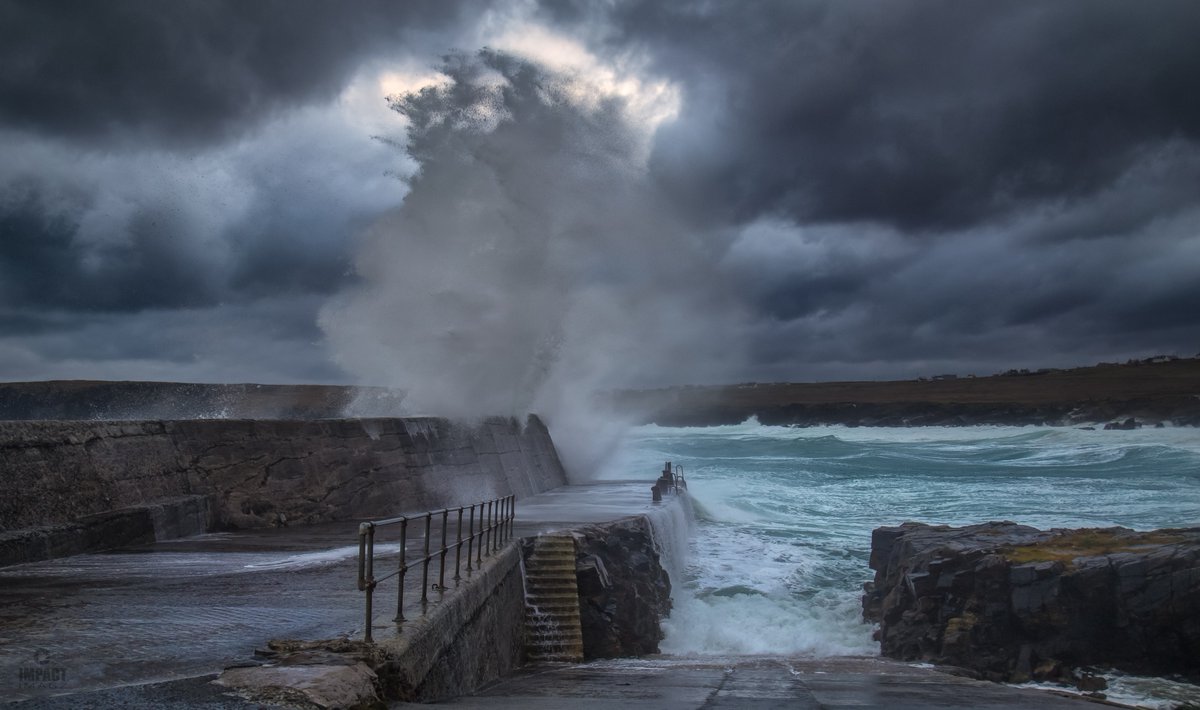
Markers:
point(476, 636)
point(164, 520)
point(466, 639)
point(258, 473)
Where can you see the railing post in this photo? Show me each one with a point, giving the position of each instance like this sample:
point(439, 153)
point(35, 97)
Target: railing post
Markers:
point(403, 570)
point(503, 519)
point(490, 526)
point(471, 538)
point(442, 561)
point(425, 563)
point(479, 543)
point(501, 522)
point(458, 545)
point(362, 556)
point(366, 572)
point(485, 537)
point(494, 529)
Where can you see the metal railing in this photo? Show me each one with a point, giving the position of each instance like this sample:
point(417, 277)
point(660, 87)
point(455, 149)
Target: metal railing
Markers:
point(671, 480)
point(489, 524)
point(677, 477)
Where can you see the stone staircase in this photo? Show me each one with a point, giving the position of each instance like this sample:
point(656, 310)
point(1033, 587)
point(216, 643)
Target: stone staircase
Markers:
point(552, 631)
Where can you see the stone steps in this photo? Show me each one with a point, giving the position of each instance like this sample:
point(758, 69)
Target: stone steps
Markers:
point(552, 629)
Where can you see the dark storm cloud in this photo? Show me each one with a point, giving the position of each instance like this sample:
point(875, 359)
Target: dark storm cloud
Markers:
point(925, 115)
point(159, 261)
point(187, 72)
point(1037, 163)
point(269, 340)
point(875, 189)
point(41, 266)
point(172, 171)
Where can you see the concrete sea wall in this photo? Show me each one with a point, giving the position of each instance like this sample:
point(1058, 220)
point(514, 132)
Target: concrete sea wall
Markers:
point(476, 633)
point(471, 639)
point(60, 476)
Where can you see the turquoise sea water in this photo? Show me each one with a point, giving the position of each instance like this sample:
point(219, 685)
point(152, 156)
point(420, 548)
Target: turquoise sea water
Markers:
point(779, 552)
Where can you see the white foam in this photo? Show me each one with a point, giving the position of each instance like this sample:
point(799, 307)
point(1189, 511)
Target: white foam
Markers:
point(761, 624)
point(317, 559)
point(671, 526)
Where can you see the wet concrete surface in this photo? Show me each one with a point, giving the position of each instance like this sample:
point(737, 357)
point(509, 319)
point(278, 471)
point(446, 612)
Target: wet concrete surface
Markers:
point(190, 693)
point(191, 607)
point(673, 683)
point(150, 627)
point(178, 609)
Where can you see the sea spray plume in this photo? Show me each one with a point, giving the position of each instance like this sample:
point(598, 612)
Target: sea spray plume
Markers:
point(532, 262)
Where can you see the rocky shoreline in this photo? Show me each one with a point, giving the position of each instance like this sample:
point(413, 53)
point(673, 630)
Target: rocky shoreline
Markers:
point(1012, 603)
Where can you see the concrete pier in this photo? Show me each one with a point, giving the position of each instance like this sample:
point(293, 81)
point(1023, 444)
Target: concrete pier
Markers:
point(190, 607)
point(151, 626)
point(669, 683)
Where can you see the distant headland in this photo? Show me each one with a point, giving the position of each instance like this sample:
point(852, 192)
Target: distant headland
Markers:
point(1159, 390)
point(1162, 390)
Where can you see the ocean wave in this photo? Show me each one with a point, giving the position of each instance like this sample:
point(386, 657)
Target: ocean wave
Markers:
point(785, 515)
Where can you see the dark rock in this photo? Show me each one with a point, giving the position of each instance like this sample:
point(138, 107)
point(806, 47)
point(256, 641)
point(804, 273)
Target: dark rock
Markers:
point(1090, 683)
point(1126, 425)
point(1014, 603)
point(624, 592)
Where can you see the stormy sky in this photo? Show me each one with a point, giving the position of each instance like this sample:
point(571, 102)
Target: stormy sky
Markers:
point(482, 202)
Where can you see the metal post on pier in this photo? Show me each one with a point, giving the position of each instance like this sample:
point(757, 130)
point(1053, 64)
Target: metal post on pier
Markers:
point(471, 539)
point(495, 518)
point(487, 532)
point(403, 570)
point(503, 519)
point(458, 545)
point(493, 530)
point(366, 569)
point(425, 563)
point(479, 544)
point(442, 561)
